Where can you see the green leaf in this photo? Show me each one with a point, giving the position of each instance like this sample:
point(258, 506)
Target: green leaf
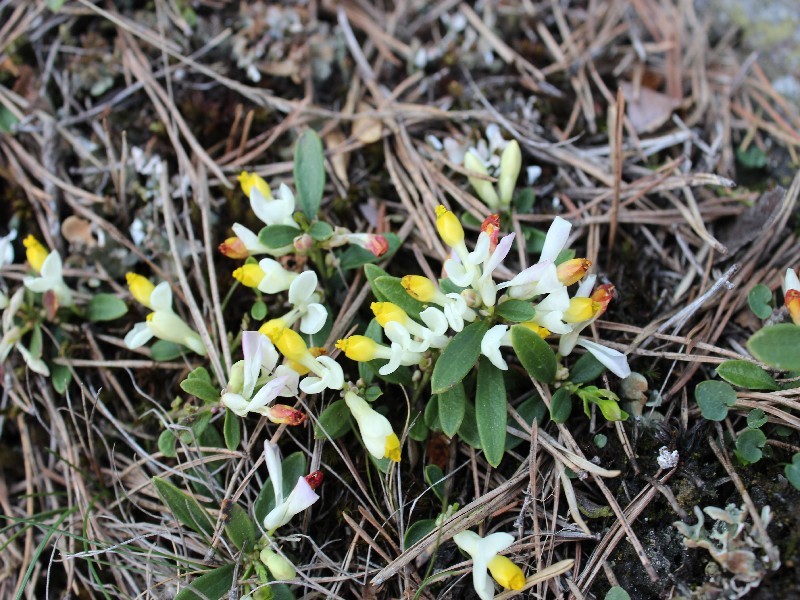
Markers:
point(417, 531)
point(518, 311)
point(391, 289)
point(185, 508)
point(163, 351)
point(747, 375)
point(232, 429)
point(356, 256)
point(293, 467)
point(372, 272)
point(752, 158)
point(600, 440)
point(524, 199)
point(561, 405)
point(451, 409)
point(61, 377)
point(197, 423)
point(431, 414)
point(213, 585)
point(278, 236)
point(714, 398)
point(448, 287)
point(792, 471)
point(458, 357)
point(756, 418)
point(240, 527)
point(778, 346)
point(534, 353)
point(760, 299)
point(749, 444)
point(259, 310)
point(198, 383)
point(166, 443)
point(334, 421)
point(7, 119)
point(320, 231)
point(490, 411)
point(617, 593)
point(468, 432)
point(587, 368)
point(105, 307)
point(418, 431)
point(434, 477)
point(309, 172)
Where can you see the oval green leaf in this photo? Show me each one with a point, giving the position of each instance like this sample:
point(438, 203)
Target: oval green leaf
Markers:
point(232, 430)
point(240, 527)
point(185, 508)
point(714, 398)
point(105, 307)
point(434, 477)
point(309, 172)
point(451, 409)
point(468, 432)
point(458, 357)
point(778, 346)
point(278, 236)
point(749, 445)
point(587, 368)
point(417, 531)
point(491, 411)
point(759, 300)
point(746, 375)
point(334, 421)
point(561, 405)
point(514, 310)
point(534, 353)
point(211, 586)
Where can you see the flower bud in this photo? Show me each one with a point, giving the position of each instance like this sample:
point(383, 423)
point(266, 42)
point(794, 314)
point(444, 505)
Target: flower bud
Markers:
point(580, 309)
point(248, 180)
point(386, 312)
point(35, 253)
point(283, 414)
point(603, 295)
point(140, 288)
point(249, 275)
point(491, 226)
point(279, 567)
point(482, 187)
point(449, 227)
point(510, 165)
point(233, 247)
point(315, 479)
point(792, 301)
point(571, 271)
point(506, 573)
point(303, 243)
point(359, 348)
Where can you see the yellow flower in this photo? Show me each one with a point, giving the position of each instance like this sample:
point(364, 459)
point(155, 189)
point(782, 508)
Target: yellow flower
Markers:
point(359, 348)
point(419, 287)
point(248, 180)
point(506, 573)
point(580, 309)
point(571, 271)
point(250, 275)
point(140, 288)
point(386, 312)
point(35, 253)
point(449, 227)
point(542, 332)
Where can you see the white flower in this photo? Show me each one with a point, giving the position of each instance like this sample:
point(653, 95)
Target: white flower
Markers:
point(12, 337)
point(51, 278)
point(550, 311)
point(433, 334)
point(376, 431)
point(274, 211)
point(164, 324)
point(567, 341)
point(300, 498)
point(304, 298)
point(456, 311)
point(492, 340)
point(276, 279)
point(614, 360)
point(401, 351)
point(327, 375)
point(485, 553)
point(259, 354)
point(542, 278)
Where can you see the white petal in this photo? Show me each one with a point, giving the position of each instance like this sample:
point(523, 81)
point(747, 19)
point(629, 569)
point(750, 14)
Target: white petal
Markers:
point(335, 376)
point(556, 239)
point(526, 276)
point(557, 300)
point(35, 364)
point(490, 346)
point(259, 205)
point(269, 355)
point(393, 364)
point(301, 497)
point(483, 584)
point(790, 282)
point(267, 394)
point(616, 362)
point(236, 403)
point(138, 336)
point(499, 254)
point(456, 273)
point(39, 284)
point(161, 297)
point(493, 544)
point(276, 278)
point(290, 378)
point(272, 456)
point(250, 240)
point(553, 320)
point(372, 425)
point(549, 282)
point(312, 385)
point(434, 319)
point(481, 252)
point(397, 334)
point(468, 541)
point(252, 350)
point(51, 267)
point(586, 286)
point(566, 343)
point(302, 288)
point(314, 319)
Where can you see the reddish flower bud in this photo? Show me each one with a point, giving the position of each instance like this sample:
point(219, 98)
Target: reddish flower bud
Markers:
point(378, 245)
point(315, 479)
point(491, 226)
point(233, 247)
point(281, 413)
point(792, 301)
point(603, 294)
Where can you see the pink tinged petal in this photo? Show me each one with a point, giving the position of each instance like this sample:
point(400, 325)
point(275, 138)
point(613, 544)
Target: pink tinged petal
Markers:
point(616, 362)
point(301, 498)
point(302, 288)
point(586, 287)
point(272, 456)
point(526, 276)
point(490, 346)
point(161, 297)
point(138, 336)
point(314, 319)
point(790, 282)
point(556, 239)
point(499, 254)
point(267, 394)
point(252, 350)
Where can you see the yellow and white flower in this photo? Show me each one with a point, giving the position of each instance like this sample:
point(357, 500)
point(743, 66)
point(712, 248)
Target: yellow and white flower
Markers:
point(260, 357)
point(49, 269)
point(486, 558)
point(362, 349)
point(267, 276)
point(376, 431)
point(162, 323)
point(301, 497)
point(431, 336)
point(454, 307)
point(791, 295)
point(305, 302)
